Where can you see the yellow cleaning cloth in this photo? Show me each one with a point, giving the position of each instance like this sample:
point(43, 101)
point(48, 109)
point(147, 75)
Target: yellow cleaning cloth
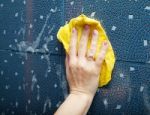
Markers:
point(64, 35)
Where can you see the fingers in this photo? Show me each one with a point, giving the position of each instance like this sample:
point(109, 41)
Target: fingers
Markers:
point(102, 53)
point(83, 42)
point(92, 50)
point(68, 72)
point(67, 64)
point(73, 43)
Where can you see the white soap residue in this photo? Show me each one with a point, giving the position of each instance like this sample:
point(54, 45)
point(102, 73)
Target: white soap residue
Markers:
point(141, 88)
point(16, 14)
point(16, 73)
point(11, 54)
point(34, 81)
point(130, 17)
point(132, 69)
point(146, 98)
point(6, 61)
point(58, 104)
point(93, 14)
point(24, 2)
point(105, 103)
point(47, 102)
point(4, 32)
point(32, 47)
point(30, 26)
point(55, 85)
point(38, 92)
point(2, 72)
point(7, 86)
point(62, 80)
point(29, 101)
point(71, 3)
point(22, 62)
point(121, 75)
point(113, 28)
point(147, 8)
point(53, 10)
point(16, 104)
point(41, 17)
point(1, 5)
point(12, 1)
point(118, 107)
point(145, 42)
point(47, 57)
point(19, 87)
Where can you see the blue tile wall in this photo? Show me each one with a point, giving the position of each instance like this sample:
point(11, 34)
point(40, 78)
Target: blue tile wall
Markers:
point(32, 70)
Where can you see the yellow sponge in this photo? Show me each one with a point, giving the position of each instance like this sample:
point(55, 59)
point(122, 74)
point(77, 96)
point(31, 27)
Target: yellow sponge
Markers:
point(64, 35)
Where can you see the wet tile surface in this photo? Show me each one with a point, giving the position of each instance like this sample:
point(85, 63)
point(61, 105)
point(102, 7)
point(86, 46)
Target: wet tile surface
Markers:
point(32, 71)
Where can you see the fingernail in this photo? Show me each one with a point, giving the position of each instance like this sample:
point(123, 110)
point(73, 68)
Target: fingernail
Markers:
point(86, 27)
point(105, 43)
point(95, 32)
point(73, 30)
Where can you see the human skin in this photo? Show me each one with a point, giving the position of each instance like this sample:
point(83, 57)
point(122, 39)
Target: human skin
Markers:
point(82, 72)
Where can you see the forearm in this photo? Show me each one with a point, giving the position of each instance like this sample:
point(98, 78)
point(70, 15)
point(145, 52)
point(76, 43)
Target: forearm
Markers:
point(75, 104)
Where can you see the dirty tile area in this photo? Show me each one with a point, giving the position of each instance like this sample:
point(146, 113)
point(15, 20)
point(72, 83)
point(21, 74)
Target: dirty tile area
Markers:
point(32, 70)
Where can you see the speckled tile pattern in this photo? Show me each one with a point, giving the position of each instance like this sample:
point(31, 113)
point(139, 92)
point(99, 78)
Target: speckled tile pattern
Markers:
point(32, 70)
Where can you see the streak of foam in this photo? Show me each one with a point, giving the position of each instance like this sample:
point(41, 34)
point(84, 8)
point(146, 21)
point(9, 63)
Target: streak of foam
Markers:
point(47, 103)
point(146, 98)
point(62, 80)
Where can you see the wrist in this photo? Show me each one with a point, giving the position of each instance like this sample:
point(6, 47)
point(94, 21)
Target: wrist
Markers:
point(82, 95)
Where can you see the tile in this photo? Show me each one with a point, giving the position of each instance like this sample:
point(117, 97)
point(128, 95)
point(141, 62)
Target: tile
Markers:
point(126, 35)
point(31, 25)
point(127, 93)
point(31, 83)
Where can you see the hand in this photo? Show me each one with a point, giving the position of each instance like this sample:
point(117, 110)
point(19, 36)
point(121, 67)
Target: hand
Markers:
point(82, 69)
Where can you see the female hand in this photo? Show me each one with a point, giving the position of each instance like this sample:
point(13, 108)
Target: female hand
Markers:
point(82, 73)
point(81, 68)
